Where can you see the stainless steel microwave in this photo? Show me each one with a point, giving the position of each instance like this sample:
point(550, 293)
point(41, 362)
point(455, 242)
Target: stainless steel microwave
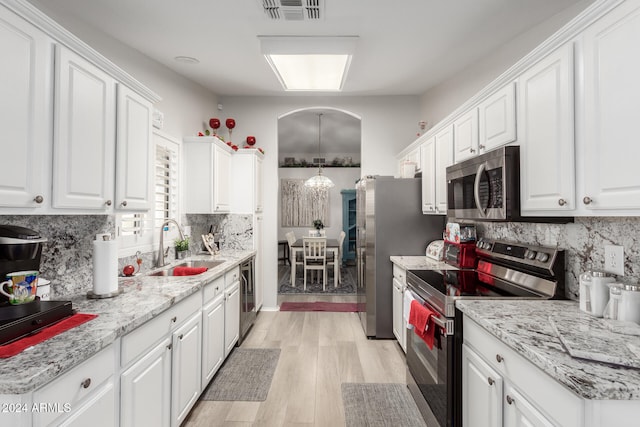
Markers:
point(486, 187)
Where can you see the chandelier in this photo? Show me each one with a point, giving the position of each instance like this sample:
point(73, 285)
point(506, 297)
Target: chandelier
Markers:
point(319, 181)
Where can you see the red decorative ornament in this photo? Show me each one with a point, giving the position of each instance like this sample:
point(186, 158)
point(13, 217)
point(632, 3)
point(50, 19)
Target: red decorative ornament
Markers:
point(128, 270)
point(234, 147)
point(214, 123)
point(230, 124)
point(251, 140)
point(200, 134)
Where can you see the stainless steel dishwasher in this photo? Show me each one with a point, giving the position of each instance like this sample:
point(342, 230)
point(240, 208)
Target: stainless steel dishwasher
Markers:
point(247, 297)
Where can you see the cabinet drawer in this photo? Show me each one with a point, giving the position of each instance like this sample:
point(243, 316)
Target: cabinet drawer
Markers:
point(73, 386)
point(400, 274)
point(213, 289)
point(231, 277)
point(139, 340)
point(560, 404)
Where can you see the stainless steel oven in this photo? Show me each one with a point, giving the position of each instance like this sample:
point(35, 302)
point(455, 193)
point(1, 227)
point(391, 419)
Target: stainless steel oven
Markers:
point(504, 270)
point(486, 187)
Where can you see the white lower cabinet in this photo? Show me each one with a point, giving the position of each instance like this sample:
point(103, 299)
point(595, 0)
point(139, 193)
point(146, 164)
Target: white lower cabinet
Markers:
point(231, 317)
point(186, 368)
point(145, 389)
point(86, 392)
point(212, 338)
point(399, 322)
point(481, 392)
point(518, 412)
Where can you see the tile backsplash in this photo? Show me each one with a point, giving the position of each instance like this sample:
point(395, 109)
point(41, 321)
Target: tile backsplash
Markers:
point(583, 242)
point(67, 256)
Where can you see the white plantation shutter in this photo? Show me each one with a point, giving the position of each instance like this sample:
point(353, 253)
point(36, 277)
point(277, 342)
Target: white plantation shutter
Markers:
point(166, 184)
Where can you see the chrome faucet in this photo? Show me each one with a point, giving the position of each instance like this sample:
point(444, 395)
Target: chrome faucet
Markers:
point(161, 253)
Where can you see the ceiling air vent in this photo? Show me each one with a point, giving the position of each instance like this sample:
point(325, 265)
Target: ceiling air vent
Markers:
point(293, 10)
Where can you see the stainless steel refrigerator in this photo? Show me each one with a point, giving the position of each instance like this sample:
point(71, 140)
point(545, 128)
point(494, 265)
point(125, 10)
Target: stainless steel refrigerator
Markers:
point(389, 221)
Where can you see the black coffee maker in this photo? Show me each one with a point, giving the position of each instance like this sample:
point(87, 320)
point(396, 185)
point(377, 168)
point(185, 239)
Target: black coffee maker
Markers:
point(21, 250)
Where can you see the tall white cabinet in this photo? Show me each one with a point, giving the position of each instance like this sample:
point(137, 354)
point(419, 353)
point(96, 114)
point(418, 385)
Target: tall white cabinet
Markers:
point(437, 155)
point(25, 123)
point(611, 92)
point(84, 134)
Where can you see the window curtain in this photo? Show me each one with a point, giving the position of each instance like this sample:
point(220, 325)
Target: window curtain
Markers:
point(302, 205)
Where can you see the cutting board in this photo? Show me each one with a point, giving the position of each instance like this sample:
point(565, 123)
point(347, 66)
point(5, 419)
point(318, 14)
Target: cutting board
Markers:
point(590, 338)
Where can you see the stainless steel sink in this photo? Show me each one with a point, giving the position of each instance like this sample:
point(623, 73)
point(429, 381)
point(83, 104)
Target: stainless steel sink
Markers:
point(195, 263)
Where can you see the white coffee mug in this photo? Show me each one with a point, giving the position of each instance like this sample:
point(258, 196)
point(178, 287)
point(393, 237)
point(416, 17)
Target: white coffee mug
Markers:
point(596, 292)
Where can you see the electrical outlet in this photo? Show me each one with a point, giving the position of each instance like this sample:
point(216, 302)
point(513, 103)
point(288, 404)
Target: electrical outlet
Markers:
point(614, 259)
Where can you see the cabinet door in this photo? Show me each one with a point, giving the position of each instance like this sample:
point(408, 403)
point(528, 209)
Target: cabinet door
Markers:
point(497, 119)
point(84, 134)
point(518, 412)
point(545, 133)
point(145, 389)
point(221, 181)
point(415, 157)
point(611, 92)
point(186, 368)
point(481, 392)
point(98, 411)
point(231, 317)
point(212, 339)
point(428, 154)
point(398, 330)
point(26, 116)
point(465, 136)
point(134, 151)
point(258, 184)
point(258, 272)
point(443, 159)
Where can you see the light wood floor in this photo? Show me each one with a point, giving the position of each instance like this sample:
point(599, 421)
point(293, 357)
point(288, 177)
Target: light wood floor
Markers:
point(319, 351)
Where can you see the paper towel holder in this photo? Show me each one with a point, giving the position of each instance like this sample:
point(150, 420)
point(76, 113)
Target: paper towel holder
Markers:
point(93, 295)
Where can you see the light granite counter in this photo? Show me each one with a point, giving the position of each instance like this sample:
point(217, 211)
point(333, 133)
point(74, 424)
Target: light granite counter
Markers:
point(420, 263)
point(143, 298)
point(527, 327)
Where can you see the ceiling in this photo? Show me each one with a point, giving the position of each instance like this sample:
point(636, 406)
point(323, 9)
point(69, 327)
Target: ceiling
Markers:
point(404, 47)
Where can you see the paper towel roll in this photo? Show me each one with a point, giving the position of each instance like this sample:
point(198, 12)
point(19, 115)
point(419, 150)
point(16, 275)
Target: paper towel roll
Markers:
point(105, 266)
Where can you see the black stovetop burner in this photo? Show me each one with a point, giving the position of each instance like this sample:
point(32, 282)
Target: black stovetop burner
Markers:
point(16, 321)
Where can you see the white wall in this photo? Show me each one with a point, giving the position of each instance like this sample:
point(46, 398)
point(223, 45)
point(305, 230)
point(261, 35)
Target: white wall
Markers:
point(388, 125)
point(186, 105)
point(441, 100)
point(343, 178)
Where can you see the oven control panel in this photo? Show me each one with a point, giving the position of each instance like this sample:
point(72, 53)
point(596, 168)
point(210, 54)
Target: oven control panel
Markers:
point(543, 257)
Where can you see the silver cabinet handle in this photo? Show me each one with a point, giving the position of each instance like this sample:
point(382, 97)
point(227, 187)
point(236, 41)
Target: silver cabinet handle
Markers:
point(108, 203)
point(170, 346)
point(86, 383)
point(471, 150)
point(481, 146)
point(491, 381)
point(510, 400)
point(562, 202)
point(180, 337)
point(124, 203)
point(587, 200)
point(499, 358)
point(38, 199)
point(173, 319)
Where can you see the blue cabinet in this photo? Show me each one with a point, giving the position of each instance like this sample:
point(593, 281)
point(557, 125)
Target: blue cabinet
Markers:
point(349, 226)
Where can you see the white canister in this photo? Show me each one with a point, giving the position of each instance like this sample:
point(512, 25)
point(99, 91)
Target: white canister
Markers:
point(594, 292)
point(629, 305)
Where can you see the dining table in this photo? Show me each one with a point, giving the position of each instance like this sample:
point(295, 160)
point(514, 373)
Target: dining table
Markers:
point(332, 244)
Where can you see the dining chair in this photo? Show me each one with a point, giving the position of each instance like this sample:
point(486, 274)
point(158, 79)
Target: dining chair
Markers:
point(295, 255)
point(315, 258)
point(331, 260)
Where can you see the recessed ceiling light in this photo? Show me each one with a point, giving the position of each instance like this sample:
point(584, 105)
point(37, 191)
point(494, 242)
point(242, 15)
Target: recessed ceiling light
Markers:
point(186, 59)
point(309, 63)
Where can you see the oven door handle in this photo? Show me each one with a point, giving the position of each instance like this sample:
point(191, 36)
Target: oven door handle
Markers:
point(476, 190)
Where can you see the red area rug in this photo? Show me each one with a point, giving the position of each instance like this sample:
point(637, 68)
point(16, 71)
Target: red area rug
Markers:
point(70, 322)
point(319, 306)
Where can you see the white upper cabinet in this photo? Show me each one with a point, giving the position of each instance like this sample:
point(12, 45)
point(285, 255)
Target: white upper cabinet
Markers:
point(497, 119)
point(611, 115)
point(25, 122)
point(437, 155)
point(465, 135)
point(134, 151)
point(545, 134)
point(84, 134)
point(207, 163)
point(246, 181)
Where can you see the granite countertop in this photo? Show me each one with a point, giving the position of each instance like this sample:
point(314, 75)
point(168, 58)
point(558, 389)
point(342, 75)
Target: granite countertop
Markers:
point(528, 328)
point(420, 263)
point(143, 298)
